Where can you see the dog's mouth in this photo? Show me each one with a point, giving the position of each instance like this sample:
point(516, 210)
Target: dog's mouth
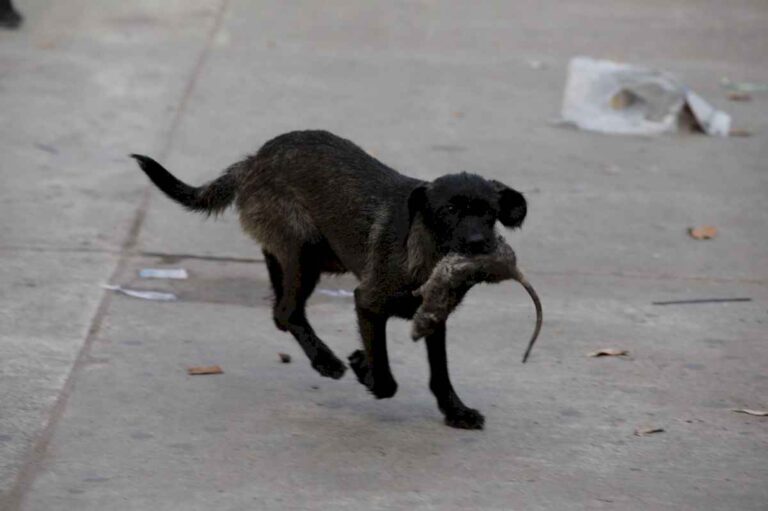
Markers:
point(477, 248)
point(467, 248)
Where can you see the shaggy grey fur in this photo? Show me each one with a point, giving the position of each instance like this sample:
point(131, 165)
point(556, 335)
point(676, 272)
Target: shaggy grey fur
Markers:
point(453, 277)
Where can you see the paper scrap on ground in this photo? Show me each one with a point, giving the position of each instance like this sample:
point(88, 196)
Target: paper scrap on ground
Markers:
point(708, 119)
point(705, 232)
point(608, 352)
point(163, 273)
point(744, 86)
point(336, 293)
point(201, 370)
point(756, 413)
point(144, 295)
point(648, 431)
point(611, 97)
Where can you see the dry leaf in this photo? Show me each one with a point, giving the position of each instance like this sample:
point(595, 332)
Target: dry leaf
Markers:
point(194, 371)
point(739, 132)
point(648, 431)
point(705, 232)
point(458, 115)
point(285, 358)
point(609, 352)
point(756, 413)
point(739, 96)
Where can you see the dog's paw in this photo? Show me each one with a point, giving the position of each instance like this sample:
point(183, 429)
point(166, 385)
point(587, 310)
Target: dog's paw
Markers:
point(328, 365)
point(384, 388)
point(465, 418)
point(10, 18)
point(381, 387)
point(360, 366)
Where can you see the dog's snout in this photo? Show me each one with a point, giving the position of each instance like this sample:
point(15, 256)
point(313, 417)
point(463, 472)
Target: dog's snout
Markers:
point(475, 238)
point(477, 243)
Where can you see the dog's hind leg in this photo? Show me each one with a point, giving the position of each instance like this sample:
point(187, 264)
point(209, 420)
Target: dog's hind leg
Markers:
point(275, 275)
point(293, 280)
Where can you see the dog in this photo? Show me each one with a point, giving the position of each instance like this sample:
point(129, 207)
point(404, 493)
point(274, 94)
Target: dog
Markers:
point(317, 203)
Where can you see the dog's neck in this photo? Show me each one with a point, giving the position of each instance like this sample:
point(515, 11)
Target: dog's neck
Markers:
point(422, 251)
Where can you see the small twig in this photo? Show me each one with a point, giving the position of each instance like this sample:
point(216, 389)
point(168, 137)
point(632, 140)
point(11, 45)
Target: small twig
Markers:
point(703, 300)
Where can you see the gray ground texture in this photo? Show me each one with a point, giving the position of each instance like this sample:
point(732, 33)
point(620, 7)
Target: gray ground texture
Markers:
point(96, 409)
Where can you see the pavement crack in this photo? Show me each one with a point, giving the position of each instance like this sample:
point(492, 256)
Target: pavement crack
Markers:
point(13, 500)
point(171, 258)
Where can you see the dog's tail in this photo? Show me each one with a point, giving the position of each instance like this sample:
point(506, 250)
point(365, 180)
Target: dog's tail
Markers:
point(211, 198)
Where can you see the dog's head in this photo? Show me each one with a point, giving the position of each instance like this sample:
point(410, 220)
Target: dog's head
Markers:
point(460, 210)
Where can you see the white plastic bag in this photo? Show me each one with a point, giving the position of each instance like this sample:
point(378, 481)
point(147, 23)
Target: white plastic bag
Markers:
point(609, 97)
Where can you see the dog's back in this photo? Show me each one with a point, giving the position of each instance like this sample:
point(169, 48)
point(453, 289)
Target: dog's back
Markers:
point(313, 187)
point(301, 189)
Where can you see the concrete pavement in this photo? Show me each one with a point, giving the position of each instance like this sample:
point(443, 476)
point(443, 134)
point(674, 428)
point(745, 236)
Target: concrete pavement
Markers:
point(96, 410)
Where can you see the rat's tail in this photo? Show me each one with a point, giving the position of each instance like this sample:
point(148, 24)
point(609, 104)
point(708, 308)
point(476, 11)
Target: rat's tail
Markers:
point(539, 316)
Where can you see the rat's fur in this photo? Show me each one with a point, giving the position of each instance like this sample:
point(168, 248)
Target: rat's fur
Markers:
point(454, 275)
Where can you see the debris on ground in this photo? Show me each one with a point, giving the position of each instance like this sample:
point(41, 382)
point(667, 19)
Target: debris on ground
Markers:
point(611, 97)
point(743, 86)
point(163, 273)
point(739, 132)
point(202, 370)
point(144, 295)
point(648, 431)
point(609, 352)
point(756, 413)
point(702, 300)
point(705, 232)
point(285, 358)
point(337, 293)
point(699, 115)
point(46, 147)
point(740, 96)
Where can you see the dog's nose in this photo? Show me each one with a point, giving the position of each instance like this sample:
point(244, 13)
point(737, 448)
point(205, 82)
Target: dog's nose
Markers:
point(476, 243)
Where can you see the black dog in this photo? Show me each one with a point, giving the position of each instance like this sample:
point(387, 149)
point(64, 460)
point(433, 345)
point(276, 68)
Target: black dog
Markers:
point(9, 17)
point(318, 203)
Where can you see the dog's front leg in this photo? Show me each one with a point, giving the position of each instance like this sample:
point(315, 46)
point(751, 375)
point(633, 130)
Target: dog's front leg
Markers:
point(372, 365)
point(457, 414)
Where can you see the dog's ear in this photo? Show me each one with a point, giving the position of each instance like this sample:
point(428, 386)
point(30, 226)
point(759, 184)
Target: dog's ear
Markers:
point(512, 205)
point(416, 202)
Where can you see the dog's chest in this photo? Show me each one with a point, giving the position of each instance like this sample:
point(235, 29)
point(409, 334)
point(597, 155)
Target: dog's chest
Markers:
point(403, 304)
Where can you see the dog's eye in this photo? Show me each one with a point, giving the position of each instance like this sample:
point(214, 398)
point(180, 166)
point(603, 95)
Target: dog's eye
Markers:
point(451, 209)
